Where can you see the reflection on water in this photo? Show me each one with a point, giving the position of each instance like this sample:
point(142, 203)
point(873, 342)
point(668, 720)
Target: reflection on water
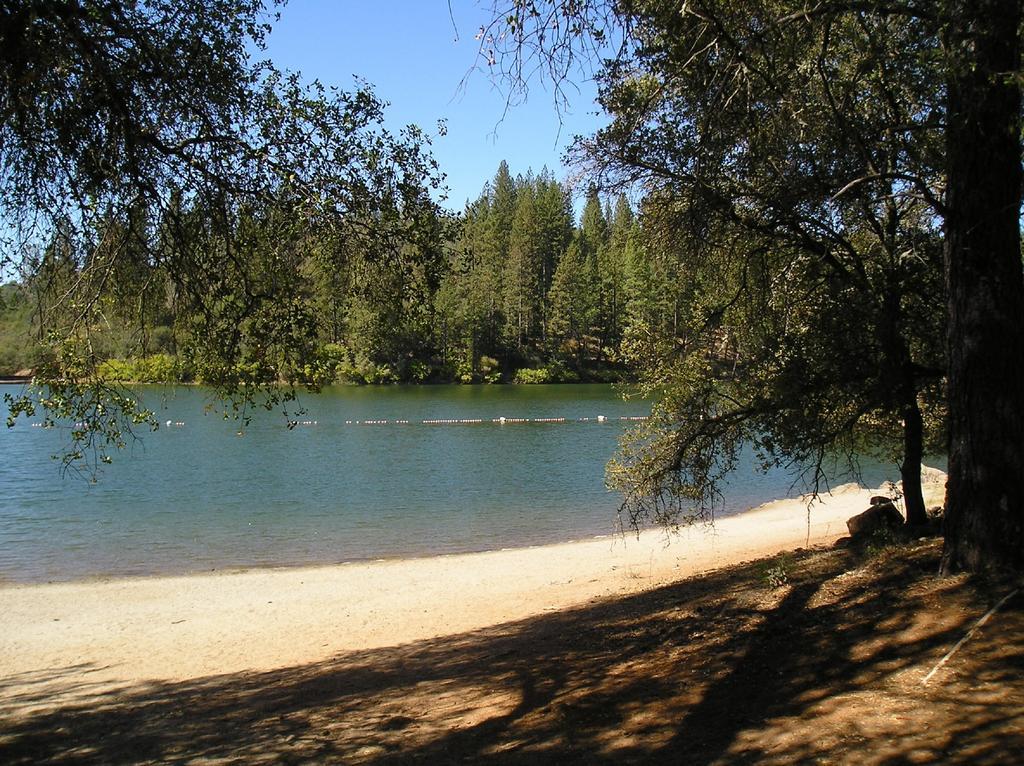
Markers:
point(196, 496)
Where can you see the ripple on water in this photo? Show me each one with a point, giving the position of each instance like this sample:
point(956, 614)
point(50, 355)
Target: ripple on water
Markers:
point(197, 497)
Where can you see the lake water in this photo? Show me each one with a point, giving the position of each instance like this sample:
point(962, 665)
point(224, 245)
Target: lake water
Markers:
point(198, 497)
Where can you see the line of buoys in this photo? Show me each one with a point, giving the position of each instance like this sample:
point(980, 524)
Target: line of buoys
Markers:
point(502, 420)
point(430, 422)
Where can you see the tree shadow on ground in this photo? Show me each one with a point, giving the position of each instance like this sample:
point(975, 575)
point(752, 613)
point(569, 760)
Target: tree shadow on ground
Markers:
point(717, 669)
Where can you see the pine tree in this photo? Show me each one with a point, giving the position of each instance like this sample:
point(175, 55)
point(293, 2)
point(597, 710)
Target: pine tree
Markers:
point(555, 219)
point(594, 244)
point(572, 301)
point(522, 273)
point(613, 270)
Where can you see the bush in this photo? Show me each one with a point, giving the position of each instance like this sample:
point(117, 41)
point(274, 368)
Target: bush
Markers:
point(553, 372)
point(346, 372)
point(118, 370)
point(559, 373)
point(776, 575)
point(490, 369)
point(157, 368)
point(464, 371)
point(881, 540)
point(376, 374)
point(527, 376)
point(419, 371)
point(365, 371)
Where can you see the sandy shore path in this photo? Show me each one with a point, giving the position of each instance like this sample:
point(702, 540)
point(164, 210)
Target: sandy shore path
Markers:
point(65, 640)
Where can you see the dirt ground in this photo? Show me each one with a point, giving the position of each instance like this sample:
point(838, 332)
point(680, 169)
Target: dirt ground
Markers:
point(816, 657)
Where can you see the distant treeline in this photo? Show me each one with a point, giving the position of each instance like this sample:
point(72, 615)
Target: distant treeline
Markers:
point(511, 290)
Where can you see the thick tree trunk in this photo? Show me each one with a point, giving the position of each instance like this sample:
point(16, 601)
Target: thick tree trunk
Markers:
point(985, 493)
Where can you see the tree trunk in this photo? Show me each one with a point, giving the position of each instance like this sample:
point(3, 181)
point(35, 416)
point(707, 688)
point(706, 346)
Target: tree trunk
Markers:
point(897, 359)
point(910, 470)
point(985, 493)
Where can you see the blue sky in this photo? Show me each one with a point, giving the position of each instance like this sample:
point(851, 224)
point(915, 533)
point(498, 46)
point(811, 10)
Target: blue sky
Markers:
point(416, 59)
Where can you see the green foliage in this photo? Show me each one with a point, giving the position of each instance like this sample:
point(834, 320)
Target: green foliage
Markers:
point(19, 349)
point(372, 373)
point(521, 277)
point(102, 416)
point(786, 287)
point(792, 219)
point(553, 372)
point(464, 371)
point(506, 287)
point(528, 376)
point(144, 188)
point(489, 370)
point(156, 368)
point(573, 306)
point(419, 372)
point(560, 373)
point(882, 540)
point(520, 288)
point(777, 574)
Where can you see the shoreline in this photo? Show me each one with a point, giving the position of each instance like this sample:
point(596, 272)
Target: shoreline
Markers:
point(581, 536)
point(77, 640)
point(625, 536)
point(231, 569)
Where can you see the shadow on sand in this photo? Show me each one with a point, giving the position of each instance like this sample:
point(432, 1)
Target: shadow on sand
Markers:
point(721, 669)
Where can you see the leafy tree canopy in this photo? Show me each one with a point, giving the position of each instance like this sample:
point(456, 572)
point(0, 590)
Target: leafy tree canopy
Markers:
point(832, 148)
point(144, 137)
point(793, 160)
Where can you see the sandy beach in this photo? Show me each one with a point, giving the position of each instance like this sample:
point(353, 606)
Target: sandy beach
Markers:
point(75, 639)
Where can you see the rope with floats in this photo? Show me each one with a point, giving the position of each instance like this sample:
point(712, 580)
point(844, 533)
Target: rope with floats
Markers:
point(485, 421)
point(437, 421)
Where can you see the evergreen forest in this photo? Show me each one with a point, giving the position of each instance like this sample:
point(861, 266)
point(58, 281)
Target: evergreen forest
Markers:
point(513, 289)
